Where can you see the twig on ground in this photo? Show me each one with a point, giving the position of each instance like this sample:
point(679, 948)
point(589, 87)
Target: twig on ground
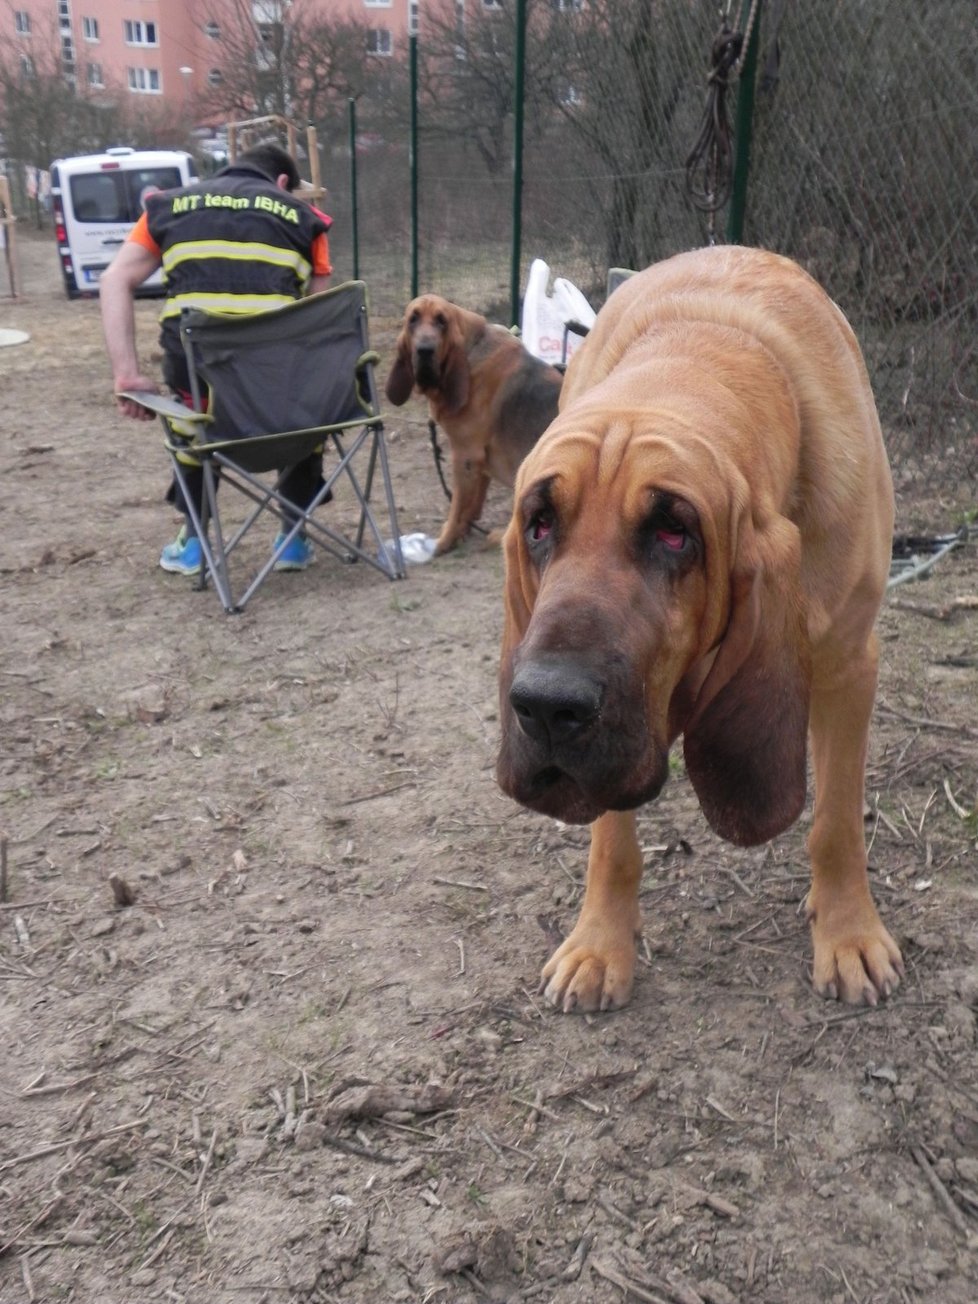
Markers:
point(382, 792)
point(207, 1161)
point(72, 1141)
point(151, 1259)
point(536, 1108)
point(25, 1272)
point(53, 1088)
point(944, 1198)
point(3, 865)
point(777, 1107)
point(732, 874)
point(457, 882)
point(625, 1283)
point(714, 1104)
point(573, 1269)
point(36, 1221)
point(956, 806)
point(351, 1148)
point(924, 722)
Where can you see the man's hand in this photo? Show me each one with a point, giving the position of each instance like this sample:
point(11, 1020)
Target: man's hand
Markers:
point(129, 407)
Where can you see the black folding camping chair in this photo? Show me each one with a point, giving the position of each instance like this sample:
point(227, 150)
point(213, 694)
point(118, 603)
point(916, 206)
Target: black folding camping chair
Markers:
point(269, 389)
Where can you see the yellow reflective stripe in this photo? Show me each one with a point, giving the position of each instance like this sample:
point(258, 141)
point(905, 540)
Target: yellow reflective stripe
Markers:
point(236, 303)
point(251, 252)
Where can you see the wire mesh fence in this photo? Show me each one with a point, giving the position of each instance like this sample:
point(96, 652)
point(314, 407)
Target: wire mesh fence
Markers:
point(863, 166)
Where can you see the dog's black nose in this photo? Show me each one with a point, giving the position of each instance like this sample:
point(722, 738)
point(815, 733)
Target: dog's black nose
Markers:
point(555, 704)
point(424, 347)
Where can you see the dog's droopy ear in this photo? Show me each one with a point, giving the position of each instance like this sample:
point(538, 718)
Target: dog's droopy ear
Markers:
point(746, 743)
point(400, 382)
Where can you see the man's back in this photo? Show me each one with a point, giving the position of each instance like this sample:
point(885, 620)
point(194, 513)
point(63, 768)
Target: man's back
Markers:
point(235, 243)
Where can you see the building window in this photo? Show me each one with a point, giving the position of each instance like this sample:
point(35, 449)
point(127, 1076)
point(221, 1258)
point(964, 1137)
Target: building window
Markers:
point(146, 81)
point(90, 29)
point(414, 21)
point(213, 30)
point(215, 77)
point(22, 22)
point(139, 33)
point(492, 4)
point(566, 6)
point(379, 41)
point(27, 67)
point(377, 4)
point(93, 74)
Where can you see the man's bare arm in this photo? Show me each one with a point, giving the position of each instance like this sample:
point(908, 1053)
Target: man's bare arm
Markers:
point(130, 267)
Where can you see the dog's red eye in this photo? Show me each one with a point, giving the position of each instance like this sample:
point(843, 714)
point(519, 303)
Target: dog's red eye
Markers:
point(441, 319)
point(541, 525)
point(673, 539)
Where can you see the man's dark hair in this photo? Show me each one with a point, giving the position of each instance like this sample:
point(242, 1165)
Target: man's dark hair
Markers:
point(273, 160)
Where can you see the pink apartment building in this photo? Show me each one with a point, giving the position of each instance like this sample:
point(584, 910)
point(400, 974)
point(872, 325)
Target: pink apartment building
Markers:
point(171, 48)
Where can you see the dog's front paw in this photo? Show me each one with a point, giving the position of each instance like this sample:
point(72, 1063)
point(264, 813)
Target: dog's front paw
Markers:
point(590, 971)
point(856, 959)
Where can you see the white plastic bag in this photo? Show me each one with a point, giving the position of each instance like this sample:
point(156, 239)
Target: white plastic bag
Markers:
point(546, 314)
point(416, 549)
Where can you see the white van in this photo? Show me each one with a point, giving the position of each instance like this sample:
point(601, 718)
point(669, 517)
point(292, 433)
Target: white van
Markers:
point(97, 199)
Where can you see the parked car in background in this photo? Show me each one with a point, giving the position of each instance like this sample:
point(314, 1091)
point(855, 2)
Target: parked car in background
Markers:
point(97, 199)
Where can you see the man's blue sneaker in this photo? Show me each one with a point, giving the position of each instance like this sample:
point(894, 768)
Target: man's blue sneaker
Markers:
point(182, 557)
point(297, 556)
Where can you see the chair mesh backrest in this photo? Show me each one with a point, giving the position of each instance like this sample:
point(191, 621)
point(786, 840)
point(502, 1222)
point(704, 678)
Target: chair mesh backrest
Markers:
point(290, 369)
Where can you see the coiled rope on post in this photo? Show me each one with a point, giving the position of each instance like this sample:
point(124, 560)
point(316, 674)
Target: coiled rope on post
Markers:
point(709, 164)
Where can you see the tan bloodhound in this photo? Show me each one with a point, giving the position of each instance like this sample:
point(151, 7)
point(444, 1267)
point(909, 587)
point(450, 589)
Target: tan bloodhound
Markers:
point(699, 546)
point(491, 397)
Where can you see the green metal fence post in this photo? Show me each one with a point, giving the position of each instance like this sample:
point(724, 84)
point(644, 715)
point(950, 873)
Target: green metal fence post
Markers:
point(519, 77)
point(742, 126)
point(413, 156)
point(352, 105)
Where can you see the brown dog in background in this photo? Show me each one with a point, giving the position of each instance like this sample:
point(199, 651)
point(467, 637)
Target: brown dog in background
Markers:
point(491, 397)
point(699, 546)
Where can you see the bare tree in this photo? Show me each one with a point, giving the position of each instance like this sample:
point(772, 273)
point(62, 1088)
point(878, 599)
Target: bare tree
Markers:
point(292, 60)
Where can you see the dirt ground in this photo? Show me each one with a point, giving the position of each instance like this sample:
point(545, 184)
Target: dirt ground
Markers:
point(309, 1063)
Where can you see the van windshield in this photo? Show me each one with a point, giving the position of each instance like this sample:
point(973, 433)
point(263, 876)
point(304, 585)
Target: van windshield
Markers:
point(117, 196)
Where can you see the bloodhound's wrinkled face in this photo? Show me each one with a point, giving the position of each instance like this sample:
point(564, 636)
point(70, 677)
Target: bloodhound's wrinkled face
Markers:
point(427, 326)
point(608, 617)
point(431, 353)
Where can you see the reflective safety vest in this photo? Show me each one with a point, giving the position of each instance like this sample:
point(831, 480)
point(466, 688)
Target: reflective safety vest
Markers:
point(234, 243)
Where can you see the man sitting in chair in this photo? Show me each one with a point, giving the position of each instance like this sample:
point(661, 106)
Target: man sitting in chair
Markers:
point(234, 243)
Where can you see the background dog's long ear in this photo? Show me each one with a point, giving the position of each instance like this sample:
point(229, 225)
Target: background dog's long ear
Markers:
point(400, 382)
point(746, 743)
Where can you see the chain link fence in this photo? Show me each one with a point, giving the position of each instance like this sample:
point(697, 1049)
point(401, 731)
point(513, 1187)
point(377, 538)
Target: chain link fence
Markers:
point(863, 166)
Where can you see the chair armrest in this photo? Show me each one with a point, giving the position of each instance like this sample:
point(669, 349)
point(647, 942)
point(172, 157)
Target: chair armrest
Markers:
point(162, 404)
